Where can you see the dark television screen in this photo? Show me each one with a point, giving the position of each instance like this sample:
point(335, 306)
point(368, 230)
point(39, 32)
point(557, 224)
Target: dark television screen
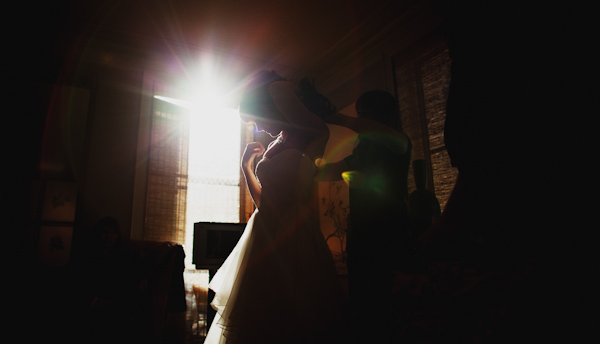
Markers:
point(213, 242)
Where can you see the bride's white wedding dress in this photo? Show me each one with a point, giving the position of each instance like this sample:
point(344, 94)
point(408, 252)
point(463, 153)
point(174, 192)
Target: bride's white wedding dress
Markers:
point(279, 284)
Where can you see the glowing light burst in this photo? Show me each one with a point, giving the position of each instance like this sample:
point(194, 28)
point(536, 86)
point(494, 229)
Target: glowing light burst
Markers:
point(353, 178)
point(356, 179)
point(207, 109)
point(180, 102)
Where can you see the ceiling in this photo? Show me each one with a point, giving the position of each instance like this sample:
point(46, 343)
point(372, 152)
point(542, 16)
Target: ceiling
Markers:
point(328, 40)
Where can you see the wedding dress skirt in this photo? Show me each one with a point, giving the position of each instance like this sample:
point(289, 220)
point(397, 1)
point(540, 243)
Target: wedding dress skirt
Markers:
point(279, 284)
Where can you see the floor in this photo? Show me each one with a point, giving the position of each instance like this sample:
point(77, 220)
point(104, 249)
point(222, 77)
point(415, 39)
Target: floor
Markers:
point(196, 287)
point(51, 304)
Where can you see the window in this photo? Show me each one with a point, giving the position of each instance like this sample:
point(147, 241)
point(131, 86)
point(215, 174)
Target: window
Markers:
point(422, 79)
point(166, 189)
point(194, 173)
point(215, 192)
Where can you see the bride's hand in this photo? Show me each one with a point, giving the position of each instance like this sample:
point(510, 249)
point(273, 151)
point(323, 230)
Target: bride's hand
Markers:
point(253, 149)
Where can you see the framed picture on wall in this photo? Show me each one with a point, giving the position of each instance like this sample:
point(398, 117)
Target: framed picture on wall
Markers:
point(59, 201)
point(54, 245)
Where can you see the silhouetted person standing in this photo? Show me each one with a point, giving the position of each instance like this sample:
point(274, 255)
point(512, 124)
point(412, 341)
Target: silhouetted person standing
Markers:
point(376, 173)
point(513, 119)
point(423, 210)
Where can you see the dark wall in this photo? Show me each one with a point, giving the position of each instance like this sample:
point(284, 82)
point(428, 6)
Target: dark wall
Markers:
point(80, 125)
point(107, 189)
point(372, 78)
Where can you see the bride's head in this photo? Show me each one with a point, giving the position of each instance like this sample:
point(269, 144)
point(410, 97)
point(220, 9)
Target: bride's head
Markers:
point(258, 107)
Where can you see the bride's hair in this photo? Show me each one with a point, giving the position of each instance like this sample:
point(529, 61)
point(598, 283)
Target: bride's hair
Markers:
point(315, 101)
point(257, 97)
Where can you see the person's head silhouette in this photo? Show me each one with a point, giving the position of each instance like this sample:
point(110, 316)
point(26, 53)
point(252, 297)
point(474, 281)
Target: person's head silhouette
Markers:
point(380, 106)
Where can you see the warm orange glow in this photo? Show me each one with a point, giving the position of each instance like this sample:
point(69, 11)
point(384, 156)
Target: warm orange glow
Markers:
point(320, 162)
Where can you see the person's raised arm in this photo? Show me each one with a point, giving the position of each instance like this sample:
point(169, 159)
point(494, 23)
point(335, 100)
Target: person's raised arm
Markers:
point(393, 139)
point(252, 150)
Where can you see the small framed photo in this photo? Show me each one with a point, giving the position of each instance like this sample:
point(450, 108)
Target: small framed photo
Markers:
point(54, 245)
point(60, 199)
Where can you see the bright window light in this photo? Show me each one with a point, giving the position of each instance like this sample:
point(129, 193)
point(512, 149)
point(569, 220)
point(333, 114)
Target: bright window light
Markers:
point(213, 193)
point(213, 190)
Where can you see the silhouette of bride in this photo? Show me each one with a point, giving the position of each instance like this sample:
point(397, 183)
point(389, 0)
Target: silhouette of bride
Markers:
point(279, 284)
